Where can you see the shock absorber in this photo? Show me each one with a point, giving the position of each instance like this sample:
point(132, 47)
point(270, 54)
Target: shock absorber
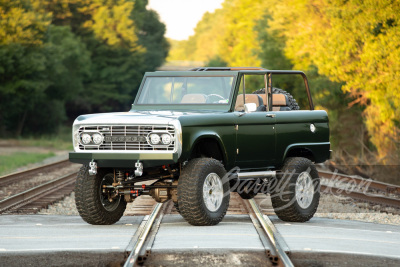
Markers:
point(120, 176)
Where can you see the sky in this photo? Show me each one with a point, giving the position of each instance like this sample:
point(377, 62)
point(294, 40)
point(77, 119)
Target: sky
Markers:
point(182, 16)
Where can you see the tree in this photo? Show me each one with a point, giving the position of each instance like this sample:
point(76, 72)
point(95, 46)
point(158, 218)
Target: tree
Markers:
point(68, 57)
point(356, 42)
point(41, 77)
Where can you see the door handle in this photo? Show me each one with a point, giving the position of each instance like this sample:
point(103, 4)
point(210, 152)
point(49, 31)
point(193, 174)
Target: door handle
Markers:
point(271, 115)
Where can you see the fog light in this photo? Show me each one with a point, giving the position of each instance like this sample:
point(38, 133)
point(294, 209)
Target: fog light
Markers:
point(97, 138)
point(166, 139)
point(86, 138)
point(154, 139)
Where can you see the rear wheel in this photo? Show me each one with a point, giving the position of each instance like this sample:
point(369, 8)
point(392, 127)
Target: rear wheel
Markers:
point(95, 204)
point(203, 196)
point(295, 195)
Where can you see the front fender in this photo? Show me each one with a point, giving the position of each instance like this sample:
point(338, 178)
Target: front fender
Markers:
point(190, 142)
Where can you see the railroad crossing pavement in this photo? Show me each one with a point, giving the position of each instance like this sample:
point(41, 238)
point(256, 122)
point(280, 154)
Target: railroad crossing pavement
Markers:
point(341, 242)
point(48, 240)
point(51, 240)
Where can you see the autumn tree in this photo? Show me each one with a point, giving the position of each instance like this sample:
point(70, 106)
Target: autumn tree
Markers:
point(355, 42)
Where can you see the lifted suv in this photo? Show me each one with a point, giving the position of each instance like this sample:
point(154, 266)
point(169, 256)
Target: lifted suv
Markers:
point(185, 130)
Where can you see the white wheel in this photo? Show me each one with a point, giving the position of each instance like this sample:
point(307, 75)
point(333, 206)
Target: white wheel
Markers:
point(203, 197)
point(213, 192)
point(296, 200)
point(304, 190)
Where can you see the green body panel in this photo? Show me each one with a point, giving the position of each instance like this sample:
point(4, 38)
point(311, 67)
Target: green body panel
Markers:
point(217, 126)
point(260, 142)
point(293, 131)
point(255, 140)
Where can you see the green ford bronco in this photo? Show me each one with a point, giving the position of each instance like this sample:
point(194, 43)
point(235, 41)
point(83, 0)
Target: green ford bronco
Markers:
point(195, 136)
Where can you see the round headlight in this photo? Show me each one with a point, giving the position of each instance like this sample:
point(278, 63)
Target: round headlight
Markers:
point(166, 139)
point(97, 138)
point(86, 138)
point(154, 139)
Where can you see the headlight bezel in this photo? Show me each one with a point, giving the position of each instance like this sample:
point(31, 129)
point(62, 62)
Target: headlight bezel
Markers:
point(160, 142)
point(94, 138)
point(91, 134)
point(166, 135)
point(83, 136)
point(154, 139)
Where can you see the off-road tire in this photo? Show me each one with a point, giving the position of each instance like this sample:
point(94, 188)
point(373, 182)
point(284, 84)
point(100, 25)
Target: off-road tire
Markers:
point(283, 196)
point(190, 192)
point(88, 198)
point(293, 105)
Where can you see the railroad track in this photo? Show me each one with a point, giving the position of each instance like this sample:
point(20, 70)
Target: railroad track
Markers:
point(366, 190)
point(33, 199)
point(18, 176)
point(140, 248)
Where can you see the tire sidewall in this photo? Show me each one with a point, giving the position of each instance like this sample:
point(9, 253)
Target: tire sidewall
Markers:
point(283, 197)
point(310, 168)
point(190, 192)
point(88, 199)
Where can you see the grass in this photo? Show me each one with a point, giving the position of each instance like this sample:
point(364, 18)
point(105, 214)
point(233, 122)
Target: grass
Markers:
point(11, 162)
point(60, 141)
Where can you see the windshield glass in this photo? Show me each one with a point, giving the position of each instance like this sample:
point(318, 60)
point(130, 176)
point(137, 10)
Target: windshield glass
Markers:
point(186, 90)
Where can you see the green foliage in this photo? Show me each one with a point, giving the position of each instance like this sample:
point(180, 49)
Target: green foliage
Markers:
point(355, 42)
point(19, 23)
point(204, 45)
point(35, 81)
point(216, 62)
point(62, 58)
point(151, 36)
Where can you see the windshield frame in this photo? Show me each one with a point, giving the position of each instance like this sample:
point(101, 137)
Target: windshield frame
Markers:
point(191, 106)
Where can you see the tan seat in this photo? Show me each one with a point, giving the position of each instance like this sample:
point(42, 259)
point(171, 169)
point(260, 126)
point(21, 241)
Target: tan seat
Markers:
point(194, 99)
point(249, 98)
point(279, 102)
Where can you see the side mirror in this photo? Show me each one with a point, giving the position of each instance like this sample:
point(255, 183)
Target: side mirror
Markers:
point(250, 107)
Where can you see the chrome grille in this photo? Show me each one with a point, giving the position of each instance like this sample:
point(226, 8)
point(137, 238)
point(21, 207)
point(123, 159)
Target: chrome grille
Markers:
point(132, 137)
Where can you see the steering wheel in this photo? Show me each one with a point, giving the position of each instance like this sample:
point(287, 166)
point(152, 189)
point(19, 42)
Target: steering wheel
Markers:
point(216, 95)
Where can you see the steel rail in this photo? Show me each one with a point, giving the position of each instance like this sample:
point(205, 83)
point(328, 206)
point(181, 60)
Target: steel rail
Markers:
point(372, 184)
point(133, 256)
point(377, 199)
point(25, 197)
point(273, 235)
point(16, 176)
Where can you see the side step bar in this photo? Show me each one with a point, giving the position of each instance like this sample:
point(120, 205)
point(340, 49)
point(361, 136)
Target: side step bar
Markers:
point(255, 175)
